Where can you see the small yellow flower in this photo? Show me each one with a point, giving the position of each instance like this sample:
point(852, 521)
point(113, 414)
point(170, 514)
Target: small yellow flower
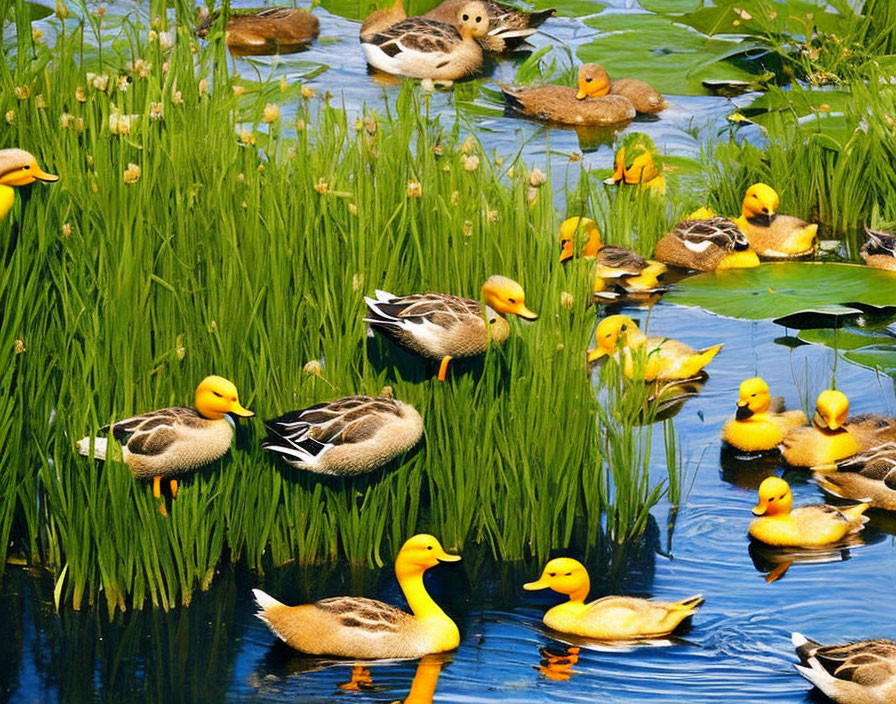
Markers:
point(352, 208)
point(89, 160)
point(247, 136)
point(66, 121)
point(66, 230)
point(492, 216)
point(100, 81)
point(241, 177)
point(152, 36)
point(455, 197)
point(575, 156)
point(283, 84)
point(446, 166)
point(19, 346)
point(120, 123)
point(123, 83)
point(468, 145)
point(141, 68)
point(80, 96)
point(166, 66)
point(537, 177)
point(166, 39)
point(10, 116)
point(22, 92)
point(62, 11)
point(471, 162)
point(437, 149)
point(322, 187)
point(132, 174)
point(307, 92)
point(313, 368)
point(357, 282)
point(468, 228)
point(260, 168)
point(271, 113)
point(238, 90)
point(100, 11)
point(177, 98)
point(532, 194)
point(155, 111)
point(79, 124)
point(415, 190)
point(370, 124)
point(566, 299)
point(203, 87)
point(300, 124)
point(36, 34)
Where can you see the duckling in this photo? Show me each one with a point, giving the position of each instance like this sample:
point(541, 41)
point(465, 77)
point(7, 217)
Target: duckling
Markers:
point(637, 162)
point(610, 618)
point(509, 27)
point(440, 326)
point(271, 30)
point(380, 20)
point(704, 243)
point(349, 436)
point(171, 441)
point(617, 271)
point(869, 476)
point(569, 106)
point(773, 236)
point(863, 672)
point(806, 526)
point(761, 421)
point(880, 249)
point(18, 168)
point(594, 82)
point(421, 48)
point(666, 359)
point(833, 435)
point(356, 627)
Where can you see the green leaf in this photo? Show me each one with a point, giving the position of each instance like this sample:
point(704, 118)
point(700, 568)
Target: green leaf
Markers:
point(763, 18)
point(670, 6)
point(871, 345)
point(782, 289)
point(673, 58)
point(570, 8)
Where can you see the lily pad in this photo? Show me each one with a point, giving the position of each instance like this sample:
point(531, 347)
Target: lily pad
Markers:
point(796, 18)
point(673, 58)
point(670, 6)
point(569, 8)
point(871, 345)
point(782, 289)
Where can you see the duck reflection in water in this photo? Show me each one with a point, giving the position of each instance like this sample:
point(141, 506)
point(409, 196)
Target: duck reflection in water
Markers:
point(558, 665)
point(423, 686)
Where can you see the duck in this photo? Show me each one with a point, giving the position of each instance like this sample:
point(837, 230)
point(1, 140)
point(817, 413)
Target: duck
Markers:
point(509, 27)
point(869, 476)
point(361, 628)
point(421, 48)
point(806, 526)
point(609, 618)
point(18, 168)
point(834, 435)
point(348, 436)
point(860, 672)
point(637, 162)
point(666, 359)
point(563, 104)
point(380, 20)
point(879, 251)
point(270, 30)
point(617, 270)
point(771, 235)
point(703, 242)
point(441, 326)
point(760, 421)
point(594, 82)
point(171, 441)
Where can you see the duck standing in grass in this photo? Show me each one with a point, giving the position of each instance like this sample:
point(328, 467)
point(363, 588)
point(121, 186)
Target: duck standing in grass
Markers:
point(761, 421)
point(869, 476)
point(880, 250)
point(806, 526)
point(771, 235)
point(637, 162)
point(270, 30)
point(863, 672)
point(610, 618)
point(704, 242)
point(666, 359)
point(18, 168)
point(440, 326)
point(834, 435)
point(421, 48)
point(588, 105)
point(349, 436)
point(171, 441)
point(356, 627)
point(617, 271)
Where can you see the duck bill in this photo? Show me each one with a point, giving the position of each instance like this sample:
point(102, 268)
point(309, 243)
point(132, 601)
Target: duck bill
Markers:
point(536, 585)
point(824, 423)
point(443, 556)
point(524, 312)
point(760, 509)
point(594, 355)
point(581, 95)
point(238, 410)
point(743, 411)
point(565, 251)
point(41, 175)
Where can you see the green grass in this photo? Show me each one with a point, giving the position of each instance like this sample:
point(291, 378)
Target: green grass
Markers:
point(250, 260)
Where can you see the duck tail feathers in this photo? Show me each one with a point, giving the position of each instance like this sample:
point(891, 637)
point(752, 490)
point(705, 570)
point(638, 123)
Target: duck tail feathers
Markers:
point(265, 602)
point(693, 602)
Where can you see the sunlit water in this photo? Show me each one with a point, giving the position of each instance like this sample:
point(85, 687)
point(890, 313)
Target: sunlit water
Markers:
point(736, 650)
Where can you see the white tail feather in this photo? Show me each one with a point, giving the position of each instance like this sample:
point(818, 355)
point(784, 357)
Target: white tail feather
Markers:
point(264, 601)
point(798, 639)
point(99, 447)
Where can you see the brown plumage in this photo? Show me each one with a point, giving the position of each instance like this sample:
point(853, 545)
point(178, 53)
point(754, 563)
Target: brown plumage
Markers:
point(702, 244)
point(641, 94)
point(508, 26)
point(268, 31)
point(348, 436)
point(869, 476)
point(880, 249)
point(556, 103)
point(380, 20)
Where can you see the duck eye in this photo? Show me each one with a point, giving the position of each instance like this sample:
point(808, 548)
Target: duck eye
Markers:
point(26, 167)
point(552, 574)
point(217, 394)
point(589, 79)
point(781, 498)
point(465, 17)
point(429, 547)
point(479, 19)
point(752, 395)
point(569, 574)
point(624, 328)
point(511, 300)
point(771, 499)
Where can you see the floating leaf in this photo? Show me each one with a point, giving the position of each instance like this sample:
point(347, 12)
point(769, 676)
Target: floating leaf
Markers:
point(569, 8)
point(670, 6)
point(871, 345)
point(763, 18)
point(782, 289)
point(674, 59)
point(38, 11)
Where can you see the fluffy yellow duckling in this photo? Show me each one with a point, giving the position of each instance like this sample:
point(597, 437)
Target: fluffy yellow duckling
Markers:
point(422, 48)
point(833, 435)
point(170, 441)
point(610, 618)
point(572, 106)
point(869, 476)
point(880, 250)
point(637, 162)
point(771, 235)
point(806, 526)
point(617, 270)
point(594, 82)
point(760, 421)
point(863, 672)
point(18, 168)
point(440, 326)
point(666, 360)
point(348, 436)
point(356, 627)
point(704, 242)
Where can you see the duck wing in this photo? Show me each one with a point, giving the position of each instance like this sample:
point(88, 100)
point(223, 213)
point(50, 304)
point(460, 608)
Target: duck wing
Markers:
point(868, 663)
point(435, 308)
point(417, 34)
point(879, 242)
point(623, 260)
point(699, 235)
point(153, 433)
point(364, 616)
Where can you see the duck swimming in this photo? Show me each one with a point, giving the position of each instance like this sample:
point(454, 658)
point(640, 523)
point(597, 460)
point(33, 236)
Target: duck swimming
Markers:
point(806, 526)
point(869, 476)
point(771, 235)
point(610, 618)
point(637, 162)
point(357, 627)
point(879, 251)
point(349, 436)
point(18, 168)
point(761, 421)
point(594, 82)
point(666, 359)
point(703, 242)
point(440, 326)
point(171, 441)
point(270, 30)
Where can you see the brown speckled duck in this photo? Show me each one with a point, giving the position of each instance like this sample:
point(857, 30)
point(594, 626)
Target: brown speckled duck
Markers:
point(869, 476)
point(880, 249)
point(268, 31)
point(706, 244)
